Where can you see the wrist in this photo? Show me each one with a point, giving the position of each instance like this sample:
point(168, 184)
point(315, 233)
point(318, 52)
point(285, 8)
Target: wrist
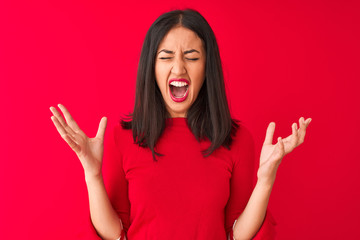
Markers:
point(266, 177)
point(91, 178)
point(265, 184)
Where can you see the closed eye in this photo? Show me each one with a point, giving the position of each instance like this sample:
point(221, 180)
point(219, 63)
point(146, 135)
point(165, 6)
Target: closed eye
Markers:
point(191, 59)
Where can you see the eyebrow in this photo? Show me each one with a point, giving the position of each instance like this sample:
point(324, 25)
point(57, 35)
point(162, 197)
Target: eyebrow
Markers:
point(185, 52)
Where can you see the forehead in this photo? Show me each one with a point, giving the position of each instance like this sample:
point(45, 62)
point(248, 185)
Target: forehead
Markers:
point(181, 37)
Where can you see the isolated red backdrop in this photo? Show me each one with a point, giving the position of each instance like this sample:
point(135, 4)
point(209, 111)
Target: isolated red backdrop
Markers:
point(282, 60)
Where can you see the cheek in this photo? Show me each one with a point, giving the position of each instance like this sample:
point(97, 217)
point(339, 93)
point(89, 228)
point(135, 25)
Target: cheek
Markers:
point(159, 76)
point(199, 77)
point(198, 86)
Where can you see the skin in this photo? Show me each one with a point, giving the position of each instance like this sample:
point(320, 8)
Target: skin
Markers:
point(271, 155)
point(176, 65)
point(250, 220)
point(180, 64)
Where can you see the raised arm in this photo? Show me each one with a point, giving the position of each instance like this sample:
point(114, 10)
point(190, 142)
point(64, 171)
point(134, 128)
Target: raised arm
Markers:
point(251, 219)
point(90, 153)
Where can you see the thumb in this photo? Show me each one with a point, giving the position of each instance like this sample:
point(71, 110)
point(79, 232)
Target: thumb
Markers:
point(101, 130)
point(269, 134)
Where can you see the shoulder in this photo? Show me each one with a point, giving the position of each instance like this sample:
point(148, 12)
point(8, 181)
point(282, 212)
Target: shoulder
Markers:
point(243, 147)
point(242, 136)
point(117, 134)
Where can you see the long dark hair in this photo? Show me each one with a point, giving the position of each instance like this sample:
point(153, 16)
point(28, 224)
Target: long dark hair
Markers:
point(208, 117)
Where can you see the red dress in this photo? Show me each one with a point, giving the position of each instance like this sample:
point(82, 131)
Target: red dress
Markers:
point(184, 195)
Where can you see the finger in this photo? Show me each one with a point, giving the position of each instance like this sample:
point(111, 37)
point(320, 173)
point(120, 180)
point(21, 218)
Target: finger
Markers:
point(281, 144)
point(294, 136)
point(69, 118)
point(61, 129)
point(74, 146)
point(58, 116)
point(269, 133)
point(61, 120)
point(302, 129)
point(280, 148)
point(307, 122)
point(101, 130)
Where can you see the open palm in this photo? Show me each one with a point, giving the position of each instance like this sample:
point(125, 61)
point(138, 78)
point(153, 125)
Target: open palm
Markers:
point(271, 155)
point(89, 150)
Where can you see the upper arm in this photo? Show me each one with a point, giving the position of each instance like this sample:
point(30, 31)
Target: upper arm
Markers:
point(242, 184)
point(242, 176)
point(114, 176)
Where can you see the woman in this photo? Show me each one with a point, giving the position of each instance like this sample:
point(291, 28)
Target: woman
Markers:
point(180, 161)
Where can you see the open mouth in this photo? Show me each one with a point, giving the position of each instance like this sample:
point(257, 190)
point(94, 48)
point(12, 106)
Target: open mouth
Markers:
point(179, 89)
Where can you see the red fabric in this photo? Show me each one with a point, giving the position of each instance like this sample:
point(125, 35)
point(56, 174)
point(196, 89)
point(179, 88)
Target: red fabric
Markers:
point(184, 195)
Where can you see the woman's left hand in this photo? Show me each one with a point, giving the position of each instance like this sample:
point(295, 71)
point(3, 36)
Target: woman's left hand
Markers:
point(271, 155)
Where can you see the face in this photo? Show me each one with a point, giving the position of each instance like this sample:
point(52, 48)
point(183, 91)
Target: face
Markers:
point(180, 69)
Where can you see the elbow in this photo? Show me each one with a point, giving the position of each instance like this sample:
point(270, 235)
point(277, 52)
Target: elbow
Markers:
point(242, 235)
point(242, 238)
point(119, 235)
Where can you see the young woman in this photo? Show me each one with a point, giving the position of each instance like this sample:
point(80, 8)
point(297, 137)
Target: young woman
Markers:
point(182, 167)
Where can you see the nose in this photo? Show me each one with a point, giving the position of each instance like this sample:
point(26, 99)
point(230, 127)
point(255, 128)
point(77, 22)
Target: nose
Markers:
point(178, 68)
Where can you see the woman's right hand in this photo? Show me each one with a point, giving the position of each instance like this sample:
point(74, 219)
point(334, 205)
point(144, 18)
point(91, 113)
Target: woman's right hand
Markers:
point(89, 150)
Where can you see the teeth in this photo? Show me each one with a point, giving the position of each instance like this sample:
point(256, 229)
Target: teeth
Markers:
point(178, 83)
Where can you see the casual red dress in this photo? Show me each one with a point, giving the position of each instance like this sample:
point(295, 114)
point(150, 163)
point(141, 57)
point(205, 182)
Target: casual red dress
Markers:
point(184, 195)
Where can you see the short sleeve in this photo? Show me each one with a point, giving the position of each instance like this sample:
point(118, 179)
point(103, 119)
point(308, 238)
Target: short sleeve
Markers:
point(242, 185)
point(114, 176)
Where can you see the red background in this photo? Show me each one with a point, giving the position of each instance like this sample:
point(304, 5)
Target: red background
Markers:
point(282, 60)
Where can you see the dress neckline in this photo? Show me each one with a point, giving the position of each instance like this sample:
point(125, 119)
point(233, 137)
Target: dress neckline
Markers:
point(176, 122)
